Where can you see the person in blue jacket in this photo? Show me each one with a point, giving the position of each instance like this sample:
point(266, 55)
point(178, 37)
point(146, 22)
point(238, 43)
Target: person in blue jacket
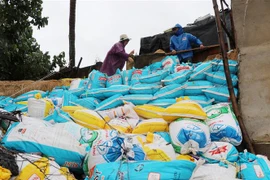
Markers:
point(182, 41)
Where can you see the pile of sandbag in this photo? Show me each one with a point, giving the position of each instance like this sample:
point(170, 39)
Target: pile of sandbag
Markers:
point(165, 121)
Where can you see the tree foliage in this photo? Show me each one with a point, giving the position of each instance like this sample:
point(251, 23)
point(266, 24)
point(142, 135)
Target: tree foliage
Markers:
point(20, 54)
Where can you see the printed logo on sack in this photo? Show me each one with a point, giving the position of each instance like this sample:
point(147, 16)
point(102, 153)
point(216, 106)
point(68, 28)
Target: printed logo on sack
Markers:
point(169, 62)
point(184, 38)
point(137, 72)
point(192, 132)
point(22, 131)
point(217, 112)
point(102, 79)
point(111, 150)
point(219, 150)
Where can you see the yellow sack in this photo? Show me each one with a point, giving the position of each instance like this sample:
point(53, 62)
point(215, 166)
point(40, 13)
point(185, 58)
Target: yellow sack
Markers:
point(37, 167)
point(156, 148)
point(185, 157)
point(72, 109)
point(149, 111)
point(22, 102)
point(120, 125)
point(65, 172)
point(151, 125)
point(90, 119)
point(40, 108)
point(184, 108)
point(5, 174)
point(37, 170)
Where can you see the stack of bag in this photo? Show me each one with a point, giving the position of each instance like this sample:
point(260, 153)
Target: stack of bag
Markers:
point(165, 121)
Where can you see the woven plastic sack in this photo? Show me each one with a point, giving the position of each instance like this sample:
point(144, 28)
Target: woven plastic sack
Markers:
point(218, 65)
point(58, 116)
point(223, 124)
point(177, 78)
point(137, 99)
point(221, 152)
point(194, 88)
point(190, 136)
point(126, 76)
point(116, 89)
point(30, 94)
point(149, 111)
point(215, 172)
point(115, 79)
point(110, 103)
point(198, 73)
point(202, 100)
point(37, 167)
point(89, 118)
point(220, 78)
point(96, 80)
point(136, 74)
point(220, 94)
point(144, 89)
point(112, 149)
point(153, 170)
point(164, 103)
point(151, 125)
point(96, 93)
point(170, 91)
point(157, 148)
point(154, 77)
point(184, 108)
point(49, 140)
point(255, 167)
point(89, 102)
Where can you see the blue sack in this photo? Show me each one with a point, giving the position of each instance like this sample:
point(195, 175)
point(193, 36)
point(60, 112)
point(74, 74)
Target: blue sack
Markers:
point(217, 65)
point(58, 116)
point(69, 99)
point(170, 91)
point(144, 89)
point(96, 80)
point(30, 94)
point(220, 78)
point(194, 88)
point(126, 76)
point(56, 93)
point(96, 93)
point(198, 73)
point(138, 99)
point(16, 107)
point(115, 79)
point(201, 99)
point(136, 74)
point(5, 101)
point(116, 89)
point(77, 92)
point(110, 103)
point(177, 78)
point(89, 102)
point(155, 67)
point(220, 94)
point(154, 170)
point(253, 167)
point(153, 78)
point(163, 102)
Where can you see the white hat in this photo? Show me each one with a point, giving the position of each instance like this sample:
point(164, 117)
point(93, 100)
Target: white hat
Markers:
point(124, 37)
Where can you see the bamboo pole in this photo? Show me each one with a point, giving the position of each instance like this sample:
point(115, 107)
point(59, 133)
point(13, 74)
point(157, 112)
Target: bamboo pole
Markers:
point(229, 80)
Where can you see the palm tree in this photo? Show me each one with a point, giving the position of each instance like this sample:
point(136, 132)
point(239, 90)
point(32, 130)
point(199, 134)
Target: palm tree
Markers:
point(72, 19)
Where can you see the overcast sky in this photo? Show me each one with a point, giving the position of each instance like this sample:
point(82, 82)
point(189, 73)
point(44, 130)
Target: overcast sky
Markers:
point(99, 24)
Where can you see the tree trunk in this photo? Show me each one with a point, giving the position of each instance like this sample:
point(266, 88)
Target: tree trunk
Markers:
point(72, 19)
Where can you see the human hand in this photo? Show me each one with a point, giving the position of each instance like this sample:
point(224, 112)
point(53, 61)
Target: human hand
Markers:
point(201, 46)
point(130, 60)
point(173, 52)
point(132, 52)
